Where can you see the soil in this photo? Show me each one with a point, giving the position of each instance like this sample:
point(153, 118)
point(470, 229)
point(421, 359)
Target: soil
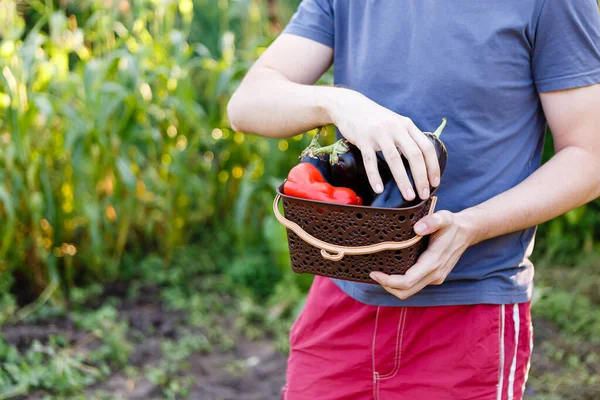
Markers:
point(262, 379)
point(251, 370)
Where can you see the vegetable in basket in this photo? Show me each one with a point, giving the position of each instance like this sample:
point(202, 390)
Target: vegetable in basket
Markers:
point(347, 167)
point(306, 181)
point(391, 196)
point(311, 179)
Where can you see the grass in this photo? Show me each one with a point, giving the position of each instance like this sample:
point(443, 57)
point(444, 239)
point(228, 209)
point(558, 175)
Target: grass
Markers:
point(567, 358)
point(570, 297)
point(60, 364)
point(171, 311)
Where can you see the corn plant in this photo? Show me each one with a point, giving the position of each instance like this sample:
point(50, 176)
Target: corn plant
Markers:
point(100, 132)
point(113, 133)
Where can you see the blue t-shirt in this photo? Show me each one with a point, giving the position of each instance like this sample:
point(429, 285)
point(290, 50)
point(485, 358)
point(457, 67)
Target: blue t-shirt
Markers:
point(481, 64)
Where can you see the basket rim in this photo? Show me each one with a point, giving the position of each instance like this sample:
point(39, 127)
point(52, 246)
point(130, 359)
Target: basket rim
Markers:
point(279, 190)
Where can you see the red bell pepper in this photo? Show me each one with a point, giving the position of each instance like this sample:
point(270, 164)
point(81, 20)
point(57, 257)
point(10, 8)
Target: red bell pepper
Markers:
point(305, 181)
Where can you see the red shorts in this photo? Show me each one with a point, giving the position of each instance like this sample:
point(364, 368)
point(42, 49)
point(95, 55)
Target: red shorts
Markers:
point(344, 349)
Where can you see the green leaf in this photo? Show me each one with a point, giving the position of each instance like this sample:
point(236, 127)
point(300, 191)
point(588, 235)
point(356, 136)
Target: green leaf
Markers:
point(126, 173)
point(576, 215)
point(6, 200)
point(43, 104)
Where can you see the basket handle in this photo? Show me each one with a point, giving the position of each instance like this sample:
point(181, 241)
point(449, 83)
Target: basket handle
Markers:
point(334, 252)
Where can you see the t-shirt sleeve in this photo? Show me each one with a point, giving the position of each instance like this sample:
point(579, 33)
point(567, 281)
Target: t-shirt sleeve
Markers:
point(313, 20)
point(566, 52)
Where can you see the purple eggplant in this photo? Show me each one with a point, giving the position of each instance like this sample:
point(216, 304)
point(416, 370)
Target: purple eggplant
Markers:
point(348, 170)
point(391, 196)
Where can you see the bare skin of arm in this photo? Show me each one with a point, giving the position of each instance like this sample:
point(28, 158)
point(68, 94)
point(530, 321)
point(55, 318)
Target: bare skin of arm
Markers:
point(568, 180)
point(278, 98)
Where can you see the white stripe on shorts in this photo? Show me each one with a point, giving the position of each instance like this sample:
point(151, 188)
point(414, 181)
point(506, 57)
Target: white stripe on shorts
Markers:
point(501, 367)
point(513, 365)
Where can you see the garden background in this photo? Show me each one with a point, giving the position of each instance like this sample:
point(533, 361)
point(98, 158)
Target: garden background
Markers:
point(139, 257)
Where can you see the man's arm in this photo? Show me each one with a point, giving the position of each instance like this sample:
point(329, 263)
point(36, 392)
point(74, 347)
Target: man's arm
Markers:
point(568, 180)
point(277, 99)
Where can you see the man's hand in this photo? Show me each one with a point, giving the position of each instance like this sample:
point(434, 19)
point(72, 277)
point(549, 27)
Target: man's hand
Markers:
point(373, 128)
point(451, 234)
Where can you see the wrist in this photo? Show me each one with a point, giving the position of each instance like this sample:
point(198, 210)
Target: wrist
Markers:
point(329, 102)
point(473, 222)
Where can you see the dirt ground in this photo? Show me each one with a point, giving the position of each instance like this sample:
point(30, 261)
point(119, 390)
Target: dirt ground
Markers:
point(262, 379)
point(250, 370)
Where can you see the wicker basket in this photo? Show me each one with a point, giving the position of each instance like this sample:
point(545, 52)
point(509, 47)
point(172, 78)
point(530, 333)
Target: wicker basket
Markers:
point(348, 242)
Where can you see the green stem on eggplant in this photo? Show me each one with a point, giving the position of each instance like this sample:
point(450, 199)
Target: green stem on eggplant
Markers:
point(440, 128)
point(334, 150)
point(312, 146)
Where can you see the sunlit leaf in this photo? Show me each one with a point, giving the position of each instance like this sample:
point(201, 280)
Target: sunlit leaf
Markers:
point(125, 173)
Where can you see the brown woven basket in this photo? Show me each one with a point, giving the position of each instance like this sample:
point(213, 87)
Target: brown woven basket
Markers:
point(348, 242)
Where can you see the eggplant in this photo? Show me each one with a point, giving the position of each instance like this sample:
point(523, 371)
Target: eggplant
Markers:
point(391, 197)
point(440, 148)
point(348, 170)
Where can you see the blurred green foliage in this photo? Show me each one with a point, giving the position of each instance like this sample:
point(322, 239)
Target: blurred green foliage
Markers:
point(114, 141)
point(100, 140)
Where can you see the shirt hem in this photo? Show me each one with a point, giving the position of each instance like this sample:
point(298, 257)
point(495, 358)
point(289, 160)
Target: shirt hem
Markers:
point(313, 34)
point(436, 298)
point(568, 82)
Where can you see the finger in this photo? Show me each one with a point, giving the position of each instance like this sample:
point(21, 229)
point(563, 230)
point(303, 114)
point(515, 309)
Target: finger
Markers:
point(435, 256)
point(428, 150)
point(436, 277)
point(394, 161)
point(405, 294)
point(426, 264)
point(433, 223)
point(413, 154)
point(370, 161)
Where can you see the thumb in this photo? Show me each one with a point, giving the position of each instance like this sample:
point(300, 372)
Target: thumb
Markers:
point(432, 223)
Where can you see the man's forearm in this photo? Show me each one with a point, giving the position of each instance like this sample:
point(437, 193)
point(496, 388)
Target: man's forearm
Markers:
point(268, 104)
point(568, 180)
